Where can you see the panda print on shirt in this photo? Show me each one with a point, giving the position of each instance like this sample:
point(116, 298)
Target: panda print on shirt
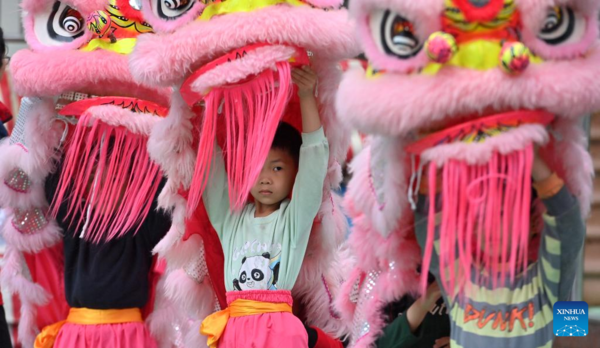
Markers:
point(257, 273)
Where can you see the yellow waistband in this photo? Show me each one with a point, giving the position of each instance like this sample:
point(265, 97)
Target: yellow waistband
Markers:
point(214, 325)
point(86, 316)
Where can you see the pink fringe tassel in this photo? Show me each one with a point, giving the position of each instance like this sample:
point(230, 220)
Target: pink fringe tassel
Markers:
point(251, 112)
point(484, 220)
point(118, 181)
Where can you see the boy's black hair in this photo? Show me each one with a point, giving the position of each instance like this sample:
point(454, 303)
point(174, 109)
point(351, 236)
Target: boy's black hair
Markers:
point(287, 138)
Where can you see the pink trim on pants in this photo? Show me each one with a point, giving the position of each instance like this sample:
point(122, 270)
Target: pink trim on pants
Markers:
point(269, 330)
point(126, 335)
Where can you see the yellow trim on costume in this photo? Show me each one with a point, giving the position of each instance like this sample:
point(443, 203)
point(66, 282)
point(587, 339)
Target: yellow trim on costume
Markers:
point(478, 55)
point(371, 73)
point(214, 325)
point(122, 46)
point(234, 6)
point(85, 316)
point(458, 19)
point(46, 338)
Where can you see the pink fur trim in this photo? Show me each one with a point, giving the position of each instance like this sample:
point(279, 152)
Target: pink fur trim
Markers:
point(195, 299)
point(402, 277)
point(27, 329)
point(161, 25)
point(165, 319)
point(359, 197)
point(16, 282)
point(116, 116)
point(536, 88)
point(338, 133)
point(320, 299)
point(192, 337)
point(375, 319)
point(52, 73)
point(425, 15)
point(84, 6)
point(506, 143)
point(231, 72)
point(326, 3)
point(167, 59)
point(334, 222)
point(365, 186)
point(573, 162)
point(170, 145)
point(30, 294)
point(343, 303)
point(183, 251)
point(32, 243)
point(177, 252)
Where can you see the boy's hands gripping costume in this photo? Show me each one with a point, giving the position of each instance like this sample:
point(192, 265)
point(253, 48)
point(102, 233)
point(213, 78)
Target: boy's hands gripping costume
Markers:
point(84, 110)
point(225, 57)
point(457, 95)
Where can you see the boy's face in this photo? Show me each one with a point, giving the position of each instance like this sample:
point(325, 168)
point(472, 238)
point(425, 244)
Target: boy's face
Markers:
point(276, 178)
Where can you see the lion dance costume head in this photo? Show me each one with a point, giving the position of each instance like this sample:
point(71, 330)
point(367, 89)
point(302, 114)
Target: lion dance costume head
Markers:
point(456, 96)
point(82, 108)
point(230, 65)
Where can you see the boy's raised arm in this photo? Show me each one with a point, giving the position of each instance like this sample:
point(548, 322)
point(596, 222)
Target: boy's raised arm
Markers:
point(307, 194)
point(306, 80)
point(216, 194)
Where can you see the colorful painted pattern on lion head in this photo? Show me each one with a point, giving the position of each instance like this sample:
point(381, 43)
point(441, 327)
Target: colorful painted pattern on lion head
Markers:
point(78, 46)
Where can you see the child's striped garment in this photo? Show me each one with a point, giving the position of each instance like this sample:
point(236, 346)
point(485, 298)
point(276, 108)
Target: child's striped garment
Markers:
point(518, 315)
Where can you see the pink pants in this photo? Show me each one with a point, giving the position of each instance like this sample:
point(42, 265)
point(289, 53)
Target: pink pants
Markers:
point(126, 335)
point(269, 330)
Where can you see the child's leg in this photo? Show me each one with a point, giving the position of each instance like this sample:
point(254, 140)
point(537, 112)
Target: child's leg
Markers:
point(270, 330)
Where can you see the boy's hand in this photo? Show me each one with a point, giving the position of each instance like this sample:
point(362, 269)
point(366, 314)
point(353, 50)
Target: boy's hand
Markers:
point(443, 342)
point(306, 80)
point(432, 295)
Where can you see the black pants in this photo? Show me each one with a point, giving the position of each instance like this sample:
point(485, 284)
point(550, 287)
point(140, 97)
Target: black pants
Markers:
point(4, 334)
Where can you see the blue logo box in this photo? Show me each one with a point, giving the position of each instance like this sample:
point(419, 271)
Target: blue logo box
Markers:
point(570, 319)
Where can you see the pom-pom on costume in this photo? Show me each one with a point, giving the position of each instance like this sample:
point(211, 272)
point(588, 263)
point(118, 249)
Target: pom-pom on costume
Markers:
point(230, 62)
point(456, 96)
point(77, 177)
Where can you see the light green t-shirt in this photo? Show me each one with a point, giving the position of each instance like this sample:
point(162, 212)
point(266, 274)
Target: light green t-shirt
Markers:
point(266, 253)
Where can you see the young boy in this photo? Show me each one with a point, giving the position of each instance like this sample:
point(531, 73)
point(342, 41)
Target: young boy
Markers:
point(264, 244)
point(520, 313)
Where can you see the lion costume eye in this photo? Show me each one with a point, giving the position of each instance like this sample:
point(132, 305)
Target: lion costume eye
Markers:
point(562, 25)
point(394, 34)
point(172, 9)
point(62, 25)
